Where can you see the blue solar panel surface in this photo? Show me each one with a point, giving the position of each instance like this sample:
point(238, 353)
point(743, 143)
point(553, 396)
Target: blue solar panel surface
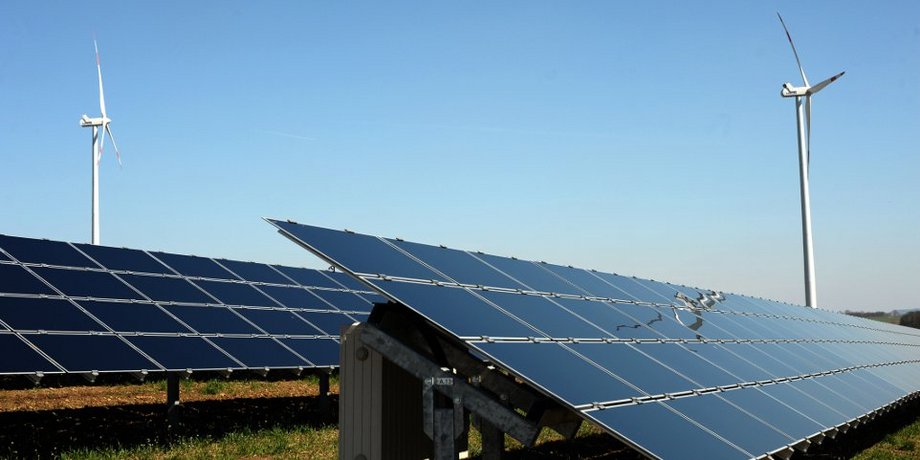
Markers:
point(78, 308)
point(668, 369)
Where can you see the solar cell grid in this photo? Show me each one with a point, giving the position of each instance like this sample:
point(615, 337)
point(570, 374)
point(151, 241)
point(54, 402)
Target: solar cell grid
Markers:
point(326, 323)
point(644, 426)
point(30, 250)
point(251, 271)
point(168, 289)
point(342, 280)
point(750, 376)
point(741, 428)
point(632, 289)
point(31, 314)
point(606, 316)
point(360, 249)
point(260, 352)
point(132, 260)
point(213, 319)
point(531, 275)
point(194, 266)
point(134, 317)
point(345, 301)
point(632, 365)
point(197, 353)
point(295, 297)
point(307, 277)
point(115, 298)
point(19, 356)
point(588, 281)
point(15, 279)
point(452, 308)
point(85, 283)
point(775, 411)
point(231, 293)
point(278, 321)
point(89, 353)
point(560, 372)
point(552, 319)
point(320, 352)
point(459, 266)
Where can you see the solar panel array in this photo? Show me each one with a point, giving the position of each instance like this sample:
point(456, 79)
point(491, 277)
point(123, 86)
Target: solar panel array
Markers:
point(675, 372)
point(79, 308)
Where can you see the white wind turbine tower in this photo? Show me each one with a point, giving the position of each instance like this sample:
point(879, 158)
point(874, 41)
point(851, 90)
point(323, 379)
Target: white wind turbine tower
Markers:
point(802, 95)
point(98, 142)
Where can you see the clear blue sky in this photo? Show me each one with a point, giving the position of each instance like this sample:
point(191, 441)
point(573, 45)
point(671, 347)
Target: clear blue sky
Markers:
point(644, 138)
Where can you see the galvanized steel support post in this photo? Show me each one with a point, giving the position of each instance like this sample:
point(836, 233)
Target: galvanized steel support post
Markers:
point(324, 392)
point(173, 403)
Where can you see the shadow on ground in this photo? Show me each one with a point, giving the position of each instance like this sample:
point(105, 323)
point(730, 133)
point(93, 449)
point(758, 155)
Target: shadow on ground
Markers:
point(594, 447)
point(847, 445)
point(44, 434)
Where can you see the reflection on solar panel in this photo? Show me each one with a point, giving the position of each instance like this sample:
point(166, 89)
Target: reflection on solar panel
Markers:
point(77, 308)
point(670, 370)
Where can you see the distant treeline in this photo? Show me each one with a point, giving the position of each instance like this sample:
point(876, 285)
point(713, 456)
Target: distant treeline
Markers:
point(909, 319)
point(871, 314)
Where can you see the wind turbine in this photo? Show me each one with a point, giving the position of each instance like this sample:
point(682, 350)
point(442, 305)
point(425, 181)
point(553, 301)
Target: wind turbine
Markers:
point(98, 143)
point(802, 95)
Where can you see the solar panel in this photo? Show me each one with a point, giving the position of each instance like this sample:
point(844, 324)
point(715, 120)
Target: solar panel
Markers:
point(34, 251)
point(251, 271)
point(134, 317)
point(130, 260)
point(37, 314)
point(78, 308)
point(194, 266)
point(80, 353)
point(306, 277)
point(663, 367)
point(19, 357)
point(197, 353)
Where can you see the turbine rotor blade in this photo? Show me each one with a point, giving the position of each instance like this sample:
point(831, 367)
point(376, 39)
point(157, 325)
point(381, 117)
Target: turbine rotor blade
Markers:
point(796, 53)
point(114, 146)
point(101, 144)
point(99, 71)
point(823, 84)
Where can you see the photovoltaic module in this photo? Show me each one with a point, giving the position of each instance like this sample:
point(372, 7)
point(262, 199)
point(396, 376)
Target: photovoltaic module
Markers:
point(79, 308)
point(667, 369)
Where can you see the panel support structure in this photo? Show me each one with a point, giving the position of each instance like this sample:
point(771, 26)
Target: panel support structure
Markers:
point(377, 368)
point(173, 403)
point(324, 392)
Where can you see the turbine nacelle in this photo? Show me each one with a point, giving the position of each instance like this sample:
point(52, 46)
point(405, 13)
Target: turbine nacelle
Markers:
point(794, 91)
point(87, 122)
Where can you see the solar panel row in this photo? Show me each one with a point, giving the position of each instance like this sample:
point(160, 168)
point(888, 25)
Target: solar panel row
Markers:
point(80, 308)
point(668, 369)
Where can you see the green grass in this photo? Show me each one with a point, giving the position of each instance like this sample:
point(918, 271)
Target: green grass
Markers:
point(901, 445)
point(893, 319)
point(299, 442)
point(276, 443)
point(322, 443)
point(213, 387)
